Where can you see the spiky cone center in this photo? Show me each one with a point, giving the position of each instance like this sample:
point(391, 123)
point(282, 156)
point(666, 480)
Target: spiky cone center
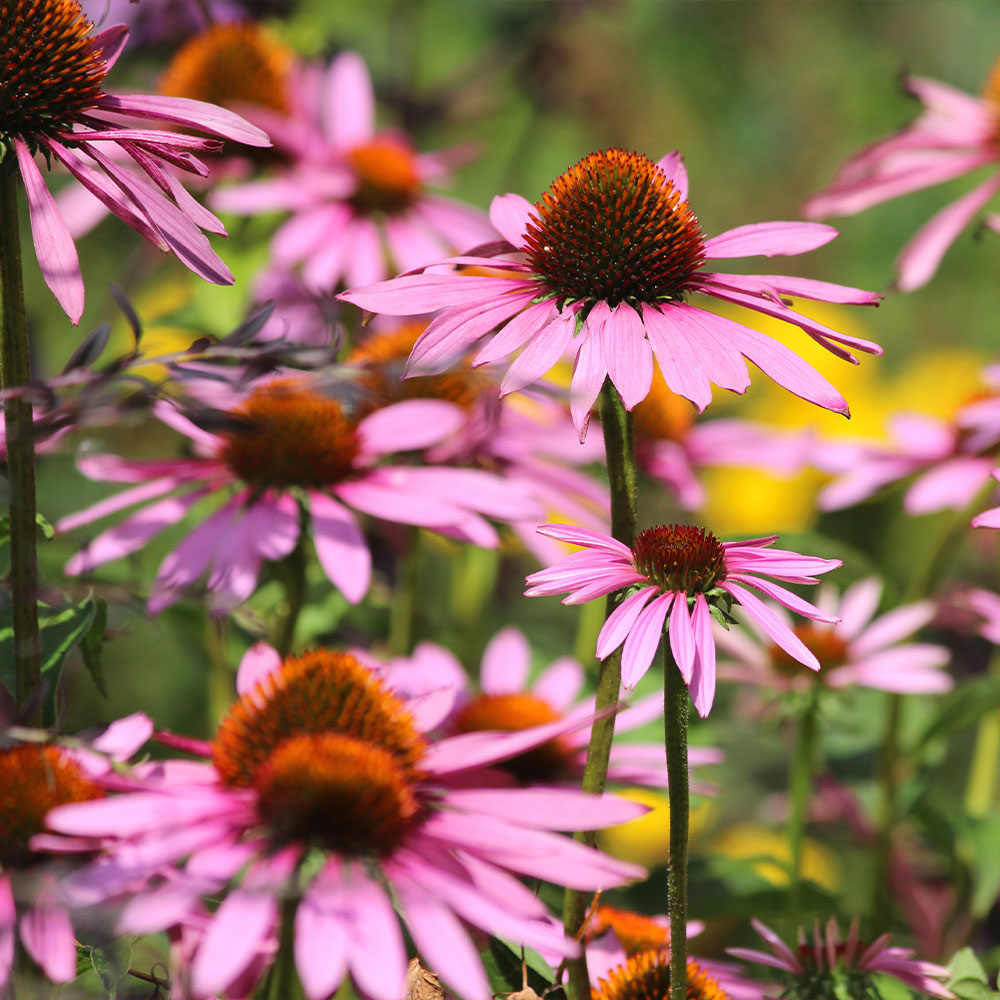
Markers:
point(646, 976)
point(662, 415)
point(382, 357)
point(50, 74)
point(680, 557)
point(385, 170)
point(614, 229)
point(232, 64)
point(290, 435)
point(828, 647)
point(339, 793)
point(319, 692)
point(514, 712)
point(33, 780)
point(635, 931)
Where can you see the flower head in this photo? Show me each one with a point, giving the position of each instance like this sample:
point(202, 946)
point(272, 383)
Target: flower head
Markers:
point(285, 445)
point(646, 976)
point(53, 102)
point(858, 650)
point(603, 267)
point(351, 189)
point(323, 789)
point(35, 778)
point(506, 702)
point(814, 967)
point(955, 135)
point(687, 573)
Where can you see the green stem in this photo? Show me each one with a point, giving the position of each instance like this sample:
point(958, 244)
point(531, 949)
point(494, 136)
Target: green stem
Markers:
point(293, 576)
point(888, 781)
point(282, 981)
point(15, 370)
point(675, 731)
point(405, 603)
point(981, 787)
point(800, 787)
point(619, 445)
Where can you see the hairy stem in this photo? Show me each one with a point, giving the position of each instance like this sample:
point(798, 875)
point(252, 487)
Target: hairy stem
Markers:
point(15, 370)
point(619, 445)
point(675, 731)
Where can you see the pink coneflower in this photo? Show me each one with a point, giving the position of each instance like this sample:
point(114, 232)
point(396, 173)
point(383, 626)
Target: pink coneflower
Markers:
point(951, 460)
point(291, 448)
point(323, 793)
point(955, 135)
point(687, 572)
point(857, 651)
point(648, 974)
point(814, 966)
point(34, 778)
point(52, 102)
point(605, 263)
point(505, 702)
point(358, 197)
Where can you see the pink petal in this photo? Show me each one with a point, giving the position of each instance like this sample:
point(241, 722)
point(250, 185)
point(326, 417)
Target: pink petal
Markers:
point(8, 925)
point(375, 955)
point(47, 935)
point(258, 663)
point(589, 371)
point(772, 625)
point(543, 351)
point(405, 426)
point(560, 683)
point(628, 355)
point(919, 261)
point(677, 353)
point(238, 929)
point(349, 108)
point(506, 663)
point(952, 483)
point(340, 546)
point(366, 261)
point(672, 167)
point(784, 597)
point(644, 639)
point(184, 111)
point(769, 239)
point(682, 639)
point(321, 937)
point(547, 808)
point(54, 246)
point(619, 623)
point(515, 334)
point(510, 215)
point(109, 43)
point(702, 685)
point(423, 293)
point(890, 628)
point(857, 605)
point(573, 534)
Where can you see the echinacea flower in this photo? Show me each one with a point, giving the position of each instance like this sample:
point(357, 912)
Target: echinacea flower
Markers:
point(358, 197)
point(603, 268)
point(951, 460)
point(815, 966)
point(955, 135)
point(53, 102)
point(858, 650)
point(506, 703)
point(34, 778)
point(687, 572)
point(323, 795)
point(290, 447)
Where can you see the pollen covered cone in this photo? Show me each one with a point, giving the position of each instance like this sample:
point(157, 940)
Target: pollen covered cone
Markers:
point(382, 357)
point(333, 755)
point(513, 712)
point(646, 976)
point(294, 435)
point(826, 645)
point(613, 228)
point(233, 64)
point(636, 932)
point(33, 780)
point(50, 73)
point(680, 557)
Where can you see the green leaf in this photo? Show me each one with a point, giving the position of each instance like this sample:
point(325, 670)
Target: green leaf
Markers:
point(92, 645)
point(502, 962)
point(965, 965)
point(47, 530)
point(60, 629)
point(962, 709)
point(111, 963)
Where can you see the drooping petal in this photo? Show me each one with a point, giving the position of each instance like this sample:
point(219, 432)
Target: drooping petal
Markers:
point(702, 684)
point(619, 623)
point(54, 247)
point(772, 625)
point(628, 355)
point(340, 546)
point(47, 935)
point(644, 639)
point(349, 106)
point(543, 351)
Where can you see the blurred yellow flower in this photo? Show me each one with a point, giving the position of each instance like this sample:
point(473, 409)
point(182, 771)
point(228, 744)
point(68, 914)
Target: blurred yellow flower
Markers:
point(646, 840)
point(770, 854)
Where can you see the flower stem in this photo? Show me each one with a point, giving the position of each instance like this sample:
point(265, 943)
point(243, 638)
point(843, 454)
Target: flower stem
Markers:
point(675, 731)
point(282, 981)
point(15, 370)
point(293, 576)
point(405, 601)
point(800, 786)
point(619, 446)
